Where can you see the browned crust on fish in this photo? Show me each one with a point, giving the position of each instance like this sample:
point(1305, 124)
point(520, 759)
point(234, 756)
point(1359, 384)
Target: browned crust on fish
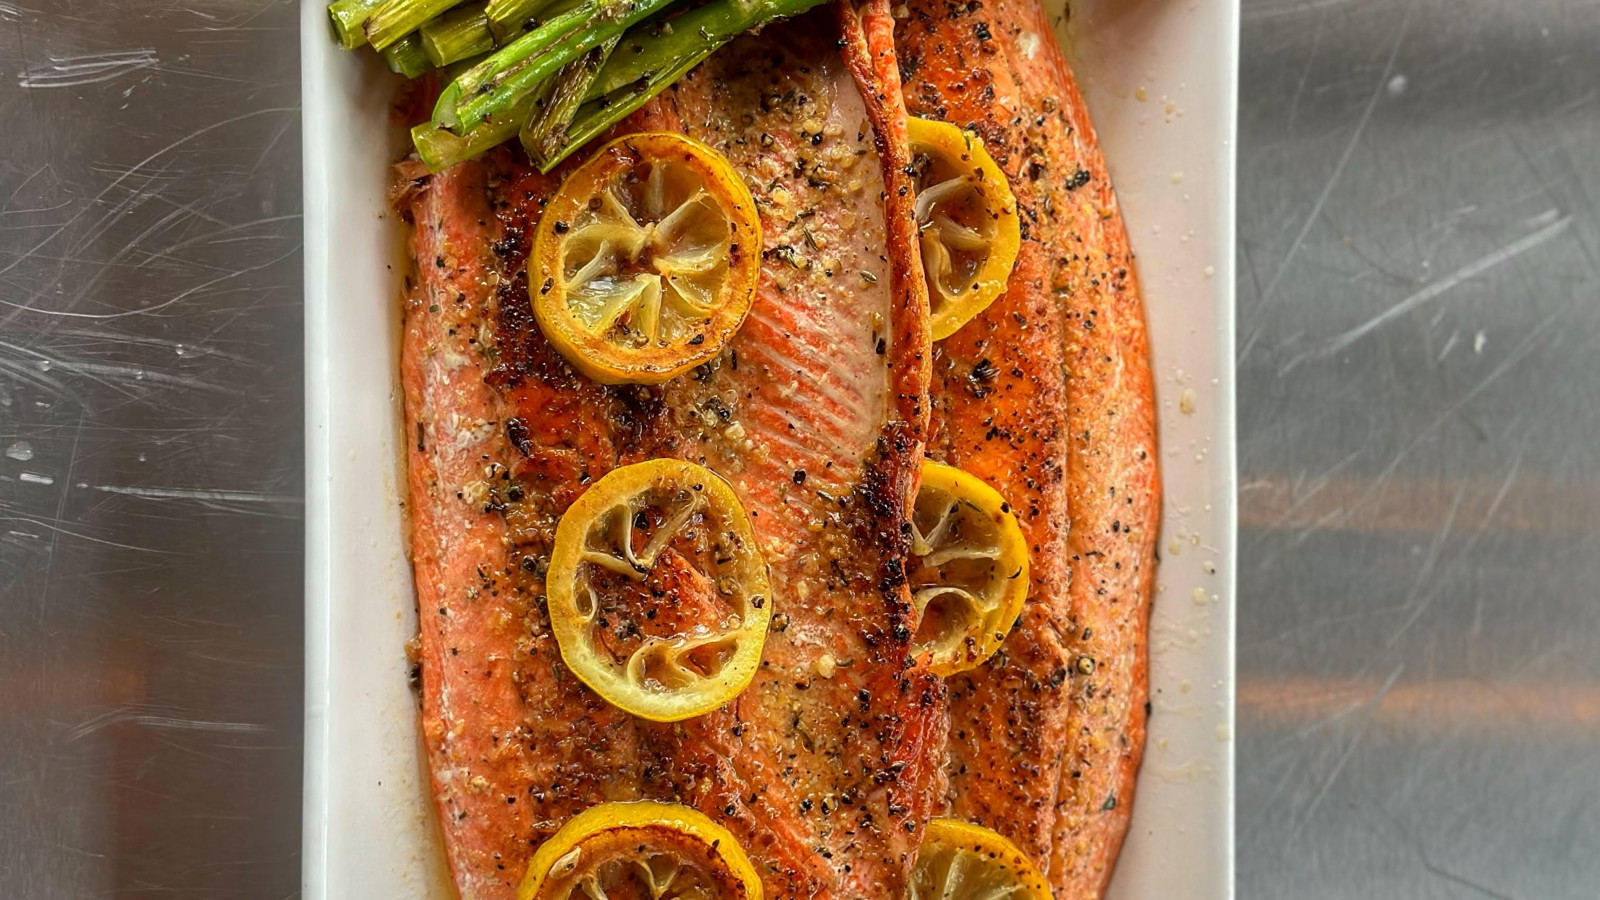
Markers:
point(1076, 671)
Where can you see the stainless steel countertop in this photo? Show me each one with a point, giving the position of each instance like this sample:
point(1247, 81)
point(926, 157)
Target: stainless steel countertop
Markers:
point(1419, 396)
point(1419, 637)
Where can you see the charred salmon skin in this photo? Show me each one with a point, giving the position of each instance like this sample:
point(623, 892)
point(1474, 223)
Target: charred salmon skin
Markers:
point(824, 768)
point(1048, 396)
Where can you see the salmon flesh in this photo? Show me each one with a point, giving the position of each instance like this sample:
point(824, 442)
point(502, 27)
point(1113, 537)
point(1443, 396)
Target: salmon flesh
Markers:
point(1048, 396)
point(824, 768)
point(819, 414)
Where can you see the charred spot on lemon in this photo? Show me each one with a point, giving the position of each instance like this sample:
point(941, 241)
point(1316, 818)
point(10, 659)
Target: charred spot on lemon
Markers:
point(646, 260)
point(642, 849)
point(967, 219)
point(659, 597)
point(962, 861)
point(970, 569)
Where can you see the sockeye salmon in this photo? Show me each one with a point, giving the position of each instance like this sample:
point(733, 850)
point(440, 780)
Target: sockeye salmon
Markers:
point(1048, 396)
point(824, 768)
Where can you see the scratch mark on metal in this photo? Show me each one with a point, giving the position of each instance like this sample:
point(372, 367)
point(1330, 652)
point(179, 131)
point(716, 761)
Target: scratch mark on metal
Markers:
point(1254, 13)
point(192, 494)
point(1438, 288)
point(136, 169)
point(1349, 750)
point(61, 510)
point(90, 68)
point(1447, 875)
point(1417, 601)
point(1344, 160)
point(1515, 357)
point(117, 717)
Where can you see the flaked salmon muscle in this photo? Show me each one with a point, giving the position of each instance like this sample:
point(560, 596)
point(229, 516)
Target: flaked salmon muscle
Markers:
point(825, 766)
point(1048, 396)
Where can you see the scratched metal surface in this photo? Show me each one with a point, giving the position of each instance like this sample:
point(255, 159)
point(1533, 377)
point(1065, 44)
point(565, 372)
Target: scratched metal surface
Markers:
point(1419, 351)
point(1419, 713)
point(150, 426)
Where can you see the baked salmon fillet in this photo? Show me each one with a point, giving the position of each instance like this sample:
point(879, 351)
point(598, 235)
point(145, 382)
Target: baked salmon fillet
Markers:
point(824, 768)
point(1048, 396)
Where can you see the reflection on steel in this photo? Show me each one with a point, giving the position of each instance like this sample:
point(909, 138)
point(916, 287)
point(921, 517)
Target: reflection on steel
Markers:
point(1419, 347)
point(150, 484)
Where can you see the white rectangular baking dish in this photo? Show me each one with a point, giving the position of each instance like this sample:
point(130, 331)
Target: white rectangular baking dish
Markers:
point(1161, 80)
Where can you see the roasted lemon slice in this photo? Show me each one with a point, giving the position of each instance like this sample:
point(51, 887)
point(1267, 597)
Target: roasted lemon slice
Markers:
point(971, 568)
point(645, 261)
point(658, 594)
point(968, 221)
point(962, 861)
point(644, 849)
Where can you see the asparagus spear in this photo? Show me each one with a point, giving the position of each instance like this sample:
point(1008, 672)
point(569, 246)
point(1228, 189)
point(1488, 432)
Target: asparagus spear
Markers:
point(651, 56)
point(348, 18)
point(406, 56)
point(508, 18)
point(565, 20)
point(395, 19)
point(601, 56)
point(519, 70)
point(545, 134)
point(441, 148)
point(458, 34)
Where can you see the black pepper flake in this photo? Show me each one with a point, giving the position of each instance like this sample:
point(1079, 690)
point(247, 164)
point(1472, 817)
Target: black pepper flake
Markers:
point(562, 227)
point(799, 476)
point(1078, 179)
point(697, 340)
point(982, 31)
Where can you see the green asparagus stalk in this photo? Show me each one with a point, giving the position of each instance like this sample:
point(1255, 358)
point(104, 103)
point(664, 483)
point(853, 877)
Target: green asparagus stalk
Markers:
point(651, 56)
point(456, 69)
point(508, 18)
point(397, 18)
point(651, 50)
point(519, 70)
point(564, 21)
point(545, 133)
point(406, 56)
point(348, 18)
point(585, 67)
point(458, 34)
point(441, 148)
